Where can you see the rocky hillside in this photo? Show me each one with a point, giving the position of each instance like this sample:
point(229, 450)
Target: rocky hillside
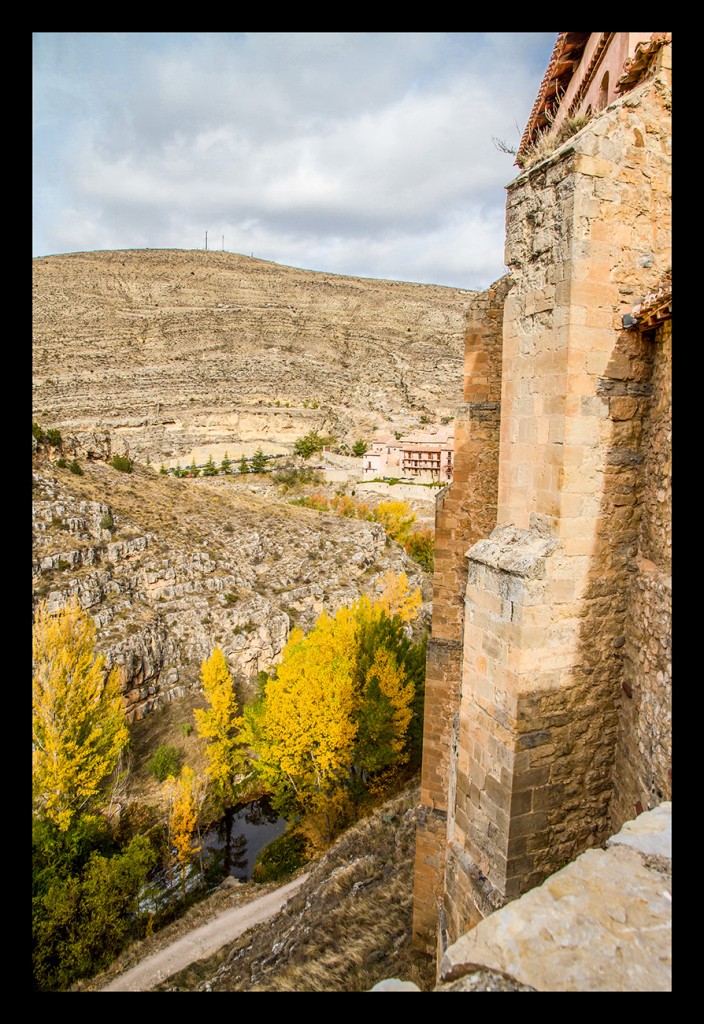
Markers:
point(169, 351)
point(169, 568)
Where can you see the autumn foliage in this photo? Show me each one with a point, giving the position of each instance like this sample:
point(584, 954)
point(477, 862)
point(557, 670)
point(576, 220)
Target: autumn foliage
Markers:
point(185, 797)
point(78, 723)
point(217, 724)
point(337, 711)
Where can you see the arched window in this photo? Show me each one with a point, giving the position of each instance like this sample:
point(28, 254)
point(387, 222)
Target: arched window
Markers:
point(604, 91)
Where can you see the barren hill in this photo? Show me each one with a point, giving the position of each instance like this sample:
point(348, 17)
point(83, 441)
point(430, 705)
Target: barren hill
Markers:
point(172, 350)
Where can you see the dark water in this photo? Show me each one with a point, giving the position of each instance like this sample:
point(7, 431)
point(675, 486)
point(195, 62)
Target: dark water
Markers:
point(231, 846)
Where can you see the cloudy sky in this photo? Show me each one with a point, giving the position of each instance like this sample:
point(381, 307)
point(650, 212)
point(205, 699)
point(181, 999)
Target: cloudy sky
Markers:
point(370, 154)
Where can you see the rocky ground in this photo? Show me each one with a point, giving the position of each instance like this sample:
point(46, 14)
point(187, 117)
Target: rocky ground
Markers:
point(171, 568)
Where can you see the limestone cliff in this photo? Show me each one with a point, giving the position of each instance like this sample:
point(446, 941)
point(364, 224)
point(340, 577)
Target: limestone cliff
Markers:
point(170, 568)
point(171, 350)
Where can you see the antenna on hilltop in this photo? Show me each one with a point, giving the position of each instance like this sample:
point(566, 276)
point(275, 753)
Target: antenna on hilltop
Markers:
point(206, 241)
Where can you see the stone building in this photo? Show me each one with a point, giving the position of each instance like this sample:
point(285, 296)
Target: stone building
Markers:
point(418, 458)
point(548, 687)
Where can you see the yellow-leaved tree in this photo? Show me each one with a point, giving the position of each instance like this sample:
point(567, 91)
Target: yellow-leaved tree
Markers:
point(218, 723)
point(338, 707)
point(78, 722)
point(397, 518)
point(185, 798)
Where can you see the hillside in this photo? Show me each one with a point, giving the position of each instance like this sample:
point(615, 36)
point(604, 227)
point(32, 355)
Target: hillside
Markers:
point(186, 565)
point(170, 351)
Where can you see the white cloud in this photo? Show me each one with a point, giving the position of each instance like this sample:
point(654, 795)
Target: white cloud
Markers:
point(361, 153)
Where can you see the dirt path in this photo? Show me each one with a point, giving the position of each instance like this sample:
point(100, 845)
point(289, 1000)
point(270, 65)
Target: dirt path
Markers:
point(202, 942)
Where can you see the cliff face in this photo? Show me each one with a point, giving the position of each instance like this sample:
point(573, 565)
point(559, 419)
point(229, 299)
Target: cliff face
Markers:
point(170, 350)
point(171, 568)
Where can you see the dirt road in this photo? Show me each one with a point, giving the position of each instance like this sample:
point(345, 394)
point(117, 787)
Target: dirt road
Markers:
point(203, 941)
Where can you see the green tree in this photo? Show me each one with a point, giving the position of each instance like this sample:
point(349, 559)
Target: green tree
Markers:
point(193, 469)
point(310, 444)
point(259, 461)
point(121, 463)
point(78, 723)
point(359, 448)
point(226, 465)
point(82, 921)
point(165, 762)
point(421, 547)
point(210, 469)
point(163, 470)
point(244, 464)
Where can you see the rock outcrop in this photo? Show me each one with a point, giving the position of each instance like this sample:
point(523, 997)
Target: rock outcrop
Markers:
point(601, 924)
point(171, 568)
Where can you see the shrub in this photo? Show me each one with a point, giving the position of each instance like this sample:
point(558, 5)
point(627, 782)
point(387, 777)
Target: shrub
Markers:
point(420, 546)
point(281, 858)
point(165, 761)
point(75, 468)
point(122, 463)
point(37, 432)
point(310, 444)
point(107, 522)
point(359, 448)
point(186, 728)
point(53, 437)
point(62, 463)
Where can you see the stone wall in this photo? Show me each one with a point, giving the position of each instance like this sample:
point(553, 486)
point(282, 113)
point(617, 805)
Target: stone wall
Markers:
point(465, 512)
point(564, 609)
point(642, 771)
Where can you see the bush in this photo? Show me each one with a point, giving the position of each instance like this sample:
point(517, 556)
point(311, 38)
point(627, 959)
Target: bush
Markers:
point(164, 762)
point(107, 522)
point(37, 432)
point(281, 858)
point(420, 546)
point(53, 437)
point(310, 444)
point(122, 463)
point(75, 468)
point(62, 463)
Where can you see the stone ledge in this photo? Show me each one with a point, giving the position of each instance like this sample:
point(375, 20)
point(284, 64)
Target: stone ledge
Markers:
point(601, 924)
point(508, 549)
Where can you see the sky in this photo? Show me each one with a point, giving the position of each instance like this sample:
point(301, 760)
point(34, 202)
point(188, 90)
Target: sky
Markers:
point(368, 154)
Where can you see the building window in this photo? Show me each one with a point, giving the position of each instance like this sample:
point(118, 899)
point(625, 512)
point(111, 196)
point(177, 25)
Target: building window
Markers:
point(604, 91)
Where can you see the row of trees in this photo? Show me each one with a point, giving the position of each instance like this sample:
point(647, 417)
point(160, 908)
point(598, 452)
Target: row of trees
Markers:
point(256, 464)
point(338, 718)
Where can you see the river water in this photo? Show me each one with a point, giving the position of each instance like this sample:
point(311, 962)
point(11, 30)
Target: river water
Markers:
point(232, 845)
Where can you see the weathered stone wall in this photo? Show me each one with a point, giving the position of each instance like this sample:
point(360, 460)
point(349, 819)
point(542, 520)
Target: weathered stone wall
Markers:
point(465, 512)
point(642, 771)
point(547, 595)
